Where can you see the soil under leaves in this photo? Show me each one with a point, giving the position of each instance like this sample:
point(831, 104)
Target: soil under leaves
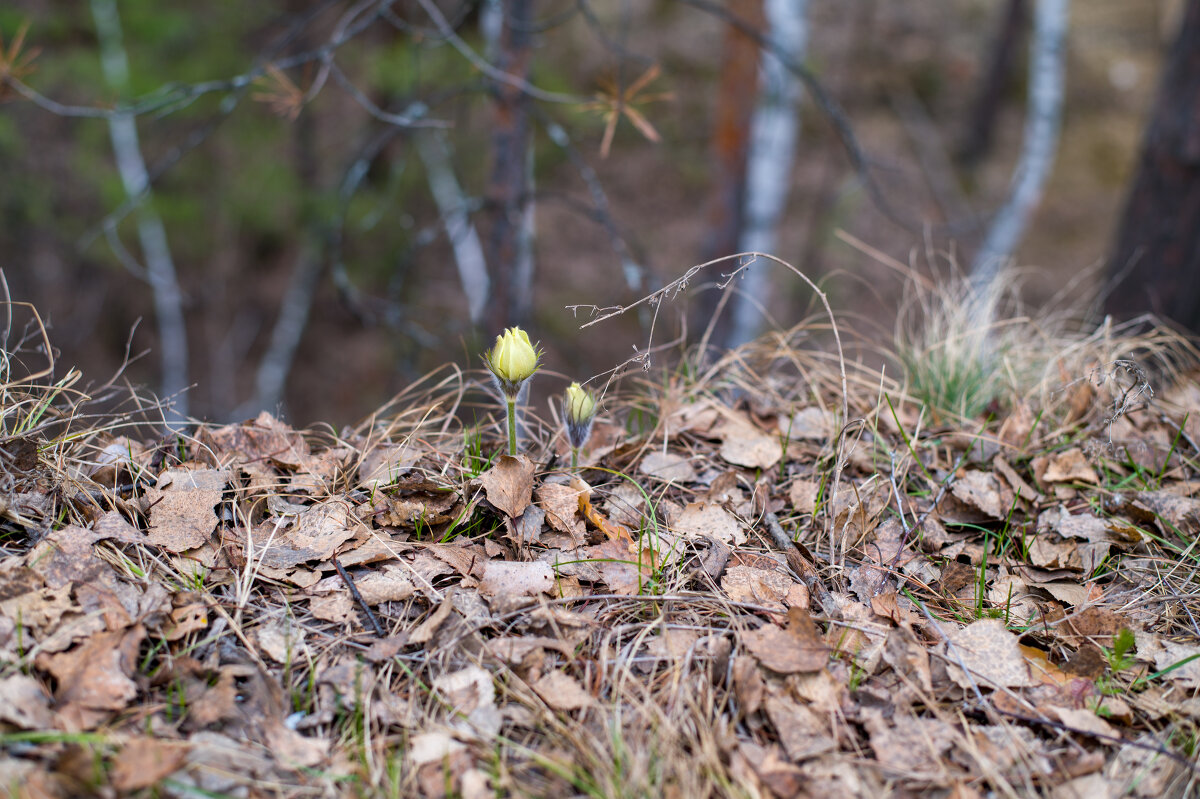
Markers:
point(738, 594)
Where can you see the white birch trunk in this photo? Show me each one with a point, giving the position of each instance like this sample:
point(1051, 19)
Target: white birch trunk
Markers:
point(774, 130)
point(1042, 125)
point(452, 206)
point(160, 268)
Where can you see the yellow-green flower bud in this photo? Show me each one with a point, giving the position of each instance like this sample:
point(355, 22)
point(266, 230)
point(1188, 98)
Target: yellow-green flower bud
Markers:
point(581, 409)
point(581, 405)
point(512, 360)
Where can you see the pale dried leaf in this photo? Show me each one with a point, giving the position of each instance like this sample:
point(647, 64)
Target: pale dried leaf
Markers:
point(812, 424)
point(756, 586)
point(803, 493)
point(94, 678)
point(909, 745)
point(1070, 466)
point(980, 490)
point(751, 449)
point(562, 692)
point(668, 466)
point(24, 704)
point(384, 464)
point(516, 578)
point(698, 519)
point(561, 504)
point(991, 655)
point(802, 733)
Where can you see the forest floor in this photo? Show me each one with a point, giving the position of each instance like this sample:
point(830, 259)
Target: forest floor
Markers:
point(777, 574)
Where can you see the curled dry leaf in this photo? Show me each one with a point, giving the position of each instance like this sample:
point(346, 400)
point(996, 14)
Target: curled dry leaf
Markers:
point(265, 439)
point(614, 531)
point(94, 678)
point(981, 491)
point(757, 586)
point(751, 448)
point(1070, 466)
point(509, 484)
point(803, 494)
point(801, 731)
point(907, 744)
point(811, 424)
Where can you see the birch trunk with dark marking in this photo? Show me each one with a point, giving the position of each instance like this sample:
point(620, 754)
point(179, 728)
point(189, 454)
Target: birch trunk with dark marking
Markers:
point(1155, 263)
point(774, 129)
point(736, 93)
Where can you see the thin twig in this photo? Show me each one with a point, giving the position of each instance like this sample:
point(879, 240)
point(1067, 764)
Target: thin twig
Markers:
point(370, 614)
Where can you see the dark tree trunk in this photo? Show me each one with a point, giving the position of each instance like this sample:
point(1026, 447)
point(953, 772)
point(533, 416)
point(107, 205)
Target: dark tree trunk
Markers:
point(999, 74)
point(1155, 264)
point(507, 189)
point(737, 94)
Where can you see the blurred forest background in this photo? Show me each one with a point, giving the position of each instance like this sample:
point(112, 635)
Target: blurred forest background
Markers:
point(309, 204)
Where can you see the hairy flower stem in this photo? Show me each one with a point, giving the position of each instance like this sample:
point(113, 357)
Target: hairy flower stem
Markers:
point(511, 404)
point(574, 459)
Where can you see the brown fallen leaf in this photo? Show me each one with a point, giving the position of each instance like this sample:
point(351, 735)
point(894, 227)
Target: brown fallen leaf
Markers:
point(384, 464)
point(265, 439)
point(798, 648)
point(698, 519)
point(624, 572)
point(182, 507)
point(801, 731)
point(509, 484)
point(562, 692)
point(981, 491)
point(562, 505)
point(769, 766)
point(812, 424)
point(909, 745)
point(766, 587)
point(744, 444)
point(1070, 466)
point(315, 535)
point(94, 678)
point(803, 493)
point(143, 761)
point(186, 620)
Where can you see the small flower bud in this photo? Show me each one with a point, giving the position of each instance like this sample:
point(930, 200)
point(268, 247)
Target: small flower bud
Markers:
point(581, 410)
